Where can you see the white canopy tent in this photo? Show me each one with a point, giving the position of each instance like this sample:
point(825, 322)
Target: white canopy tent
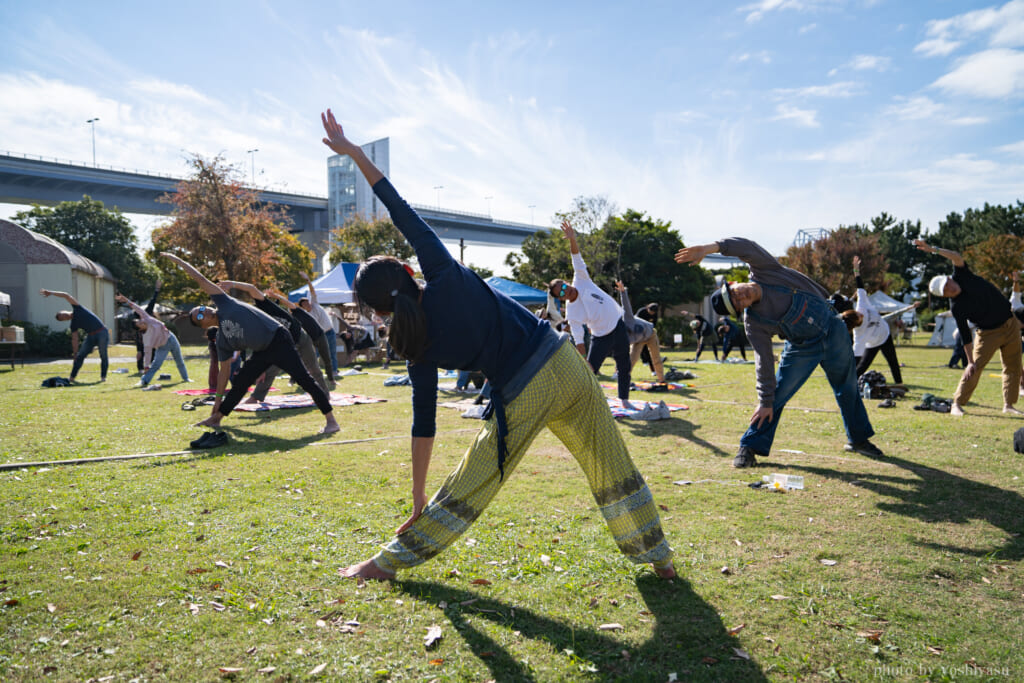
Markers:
point(334, 287)
point(943, 333)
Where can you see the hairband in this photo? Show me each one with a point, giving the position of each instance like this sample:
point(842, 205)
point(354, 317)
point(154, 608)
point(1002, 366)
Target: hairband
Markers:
point(394, 292)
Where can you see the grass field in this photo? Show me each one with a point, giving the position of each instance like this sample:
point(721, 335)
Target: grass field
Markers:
point(223, 563)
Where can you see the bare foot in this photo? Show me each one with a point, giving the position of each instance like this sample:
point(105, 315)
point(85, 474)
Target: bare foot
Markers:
point(331, 426)
point(1010, 410)
point(250, 400)
point(668, 572)
point(209, 422)
point(956, 410)
point(366, 569)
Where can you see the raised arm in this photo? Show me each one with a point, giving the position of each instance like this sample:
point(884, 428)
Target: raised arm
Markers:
point(340, 144)
point(312, 289)
point(694, 255)
point(251, 290)
point(570, 235)
point(627, 309)
point(280, 296)
point(207, 286)
point(63, 295)
point(152, 301)
point(122, 299)
point(953, 256)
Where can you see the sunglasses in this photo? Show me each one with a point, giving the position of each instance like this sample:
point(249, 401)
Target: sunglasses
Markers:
point(562, 291)
point(200, 312)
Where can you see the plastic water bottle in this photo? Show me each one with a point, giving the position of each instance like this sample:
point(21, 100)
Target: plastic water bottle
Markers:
point(866, 391)
point(784, 481)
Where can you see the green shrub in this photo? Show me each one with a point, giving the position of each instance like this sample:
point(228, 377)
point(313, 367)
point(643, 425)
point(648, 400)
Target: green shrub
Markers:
point(40, 340)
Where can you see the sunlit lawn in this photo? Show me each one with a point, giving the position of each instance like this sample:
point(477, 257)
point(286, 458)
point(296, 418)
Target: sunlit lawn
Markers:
point(224, 563)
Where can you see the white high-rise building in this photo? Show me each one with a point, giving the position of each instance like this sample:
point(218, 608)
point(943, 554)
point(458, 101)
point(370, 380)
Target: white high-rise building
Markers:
point(348, 193)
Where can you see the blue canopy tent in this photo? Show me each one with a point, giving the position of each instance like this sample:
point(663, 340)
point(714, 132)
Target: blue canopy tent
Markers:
point(523, 294)
point(334, 287)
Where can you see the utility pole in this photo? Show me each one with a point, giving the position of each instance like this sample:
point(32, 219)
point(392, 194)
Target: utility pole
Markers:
point(92, 122)
point(462, 251)
point(438, 188)
point(489, 198)
point(252, 156)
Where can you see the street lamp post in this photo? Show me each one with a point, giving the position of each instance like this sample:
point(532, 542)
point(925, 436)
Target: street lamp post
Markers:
point(489, 198)
point(252, 157)
point(438, 188)
point(92, 122)
point(531, 207)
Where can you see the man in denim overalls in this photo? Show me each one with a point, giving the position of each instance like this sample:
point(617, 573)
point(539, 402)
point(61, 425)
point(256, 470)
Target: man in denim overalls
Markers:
point(781, 301)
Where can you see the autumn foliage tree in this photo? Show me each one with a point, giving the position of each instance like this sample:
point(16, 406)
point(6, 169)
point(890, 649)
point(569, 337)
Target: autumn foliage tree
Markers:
point(225, 231)
point(829, 260)
point(996, 259)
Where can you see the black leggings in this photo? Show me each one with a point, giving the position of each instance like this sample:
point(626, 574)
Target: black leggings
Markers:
point(888, 350)
point(281, 352)
point(727, 346)
point(616, 344)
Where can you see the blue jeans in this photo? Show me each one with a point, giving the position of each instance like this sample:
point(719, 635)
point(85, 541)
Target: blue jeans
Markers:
point(159, 355)
point(100, 340)
point(332, 346)
point(804, 351)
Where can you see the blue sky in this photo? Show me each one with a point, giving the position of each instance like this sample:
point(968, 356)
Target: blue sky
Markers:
point(726, 118)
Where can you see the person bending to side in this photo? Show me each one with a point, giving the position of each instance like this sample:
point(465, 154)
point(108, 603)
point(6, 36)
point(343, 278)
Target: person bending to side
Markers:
point(978, 301)
point(731, 335)
point(157, 342)
point(642, 335)
point(97, 336)
point(302, 342)
point(873, 334)
point(781, 301)
point(241, 326)
point(588, 305)
point(455, 320)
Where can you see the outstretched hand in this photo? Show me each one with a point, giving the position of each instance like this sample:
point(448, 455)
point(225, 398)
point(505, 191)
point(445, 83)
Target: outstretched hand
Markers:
point(694, 255)
point(335, 139)
point(619, 286)
point(120, 298)
point(567, 229)
point(924, 246)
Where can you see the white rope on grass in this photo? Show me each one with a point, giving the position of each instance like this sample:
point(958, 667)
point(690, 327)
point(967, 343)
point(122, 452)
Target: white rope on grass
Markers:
point(136, 456)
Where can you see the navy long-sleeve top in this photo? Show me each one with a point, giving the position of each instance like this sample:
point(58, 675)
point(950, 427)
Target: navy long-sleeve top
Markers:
point(979, 302)
point(469, 325)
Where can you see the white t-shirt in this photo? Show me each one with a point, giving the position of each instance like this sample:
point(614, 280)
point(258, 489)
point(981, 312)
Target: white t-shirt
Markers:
point(592, 307)
point(873, 331)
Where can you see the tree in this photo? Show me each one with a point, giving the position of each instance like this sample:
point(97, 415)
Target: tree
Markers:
point(829, 260)
point(904, 259)
point(631, 247)
point(588, 214)
point(222, 227)
point(959, 233)
point(360, 238)
point(996, 259)
point(482, 271)
point(97, 233)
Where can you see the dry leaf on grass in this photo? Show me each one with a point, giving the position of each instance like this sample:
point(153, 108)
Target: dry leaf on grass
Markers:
point(480, 582)
point(780, 597)
point(433, 637)
point(315, 671)
point(222, 564)
point(51, 608)
point(267, 670)
point(610, 627)
point(736, 629)
point(741, 653)
point(217, 606)
point(829, 563)
point(228, 670)
point(873, 635)
point(437, 662)
point(934, 650)
point(136, 555)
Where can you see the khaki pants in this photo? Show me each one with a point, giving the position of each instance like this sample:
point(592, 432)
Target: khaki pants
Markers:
point(1006, 340)
point(652, 347)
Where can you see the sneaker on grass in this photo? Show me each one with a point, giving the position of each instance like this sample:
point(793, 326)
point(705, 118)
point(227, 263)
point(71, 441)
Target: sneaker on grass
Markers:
point(865, 448)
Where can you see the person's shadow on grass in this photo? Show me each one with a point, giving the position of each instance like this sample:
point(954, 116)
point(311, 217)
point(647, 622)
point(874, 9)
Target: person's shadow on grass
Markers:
point(675, 425)
point(938, 496)
point(689, 638)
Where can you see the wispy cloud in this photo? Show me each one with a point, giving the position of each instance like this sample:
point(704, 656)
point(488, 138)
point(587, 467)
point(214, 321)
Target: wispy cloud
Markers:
point(993, 73)
point(763, 57)
point(1005, 26)
point(1014, 148)
point(841, 89)
point(757, 11)
point(808, 118)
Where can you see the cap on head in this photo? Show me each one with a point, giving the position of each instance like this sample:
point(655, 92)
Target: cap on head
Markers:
point(938, 285)
point(694, 324)
point(721, 301)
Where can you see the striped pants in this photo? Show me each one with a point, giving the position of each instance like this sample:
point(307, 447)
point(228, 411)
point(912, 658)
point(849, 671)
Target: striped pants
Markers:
point(565, 397)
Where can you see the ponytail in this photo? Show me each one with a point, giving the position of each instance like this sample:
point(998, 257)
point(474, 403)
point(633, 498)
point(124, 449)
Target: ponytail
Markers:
point(385, 284)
